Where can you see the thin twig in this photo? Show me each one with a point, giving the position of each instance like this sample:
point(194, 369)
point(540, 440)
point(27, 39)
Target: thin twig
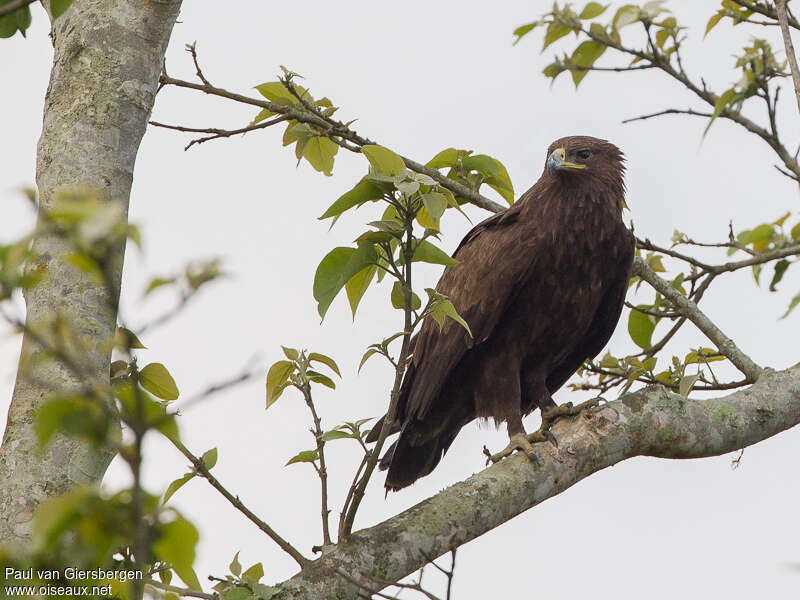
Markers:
point(218, 133)
point(668, 111)
point(322, 470)
point(201, 469)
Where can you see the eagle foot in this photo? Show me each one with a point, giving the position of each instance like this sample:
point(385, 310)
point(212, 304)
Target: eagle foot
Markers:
point(517, 441)
point(553, 414)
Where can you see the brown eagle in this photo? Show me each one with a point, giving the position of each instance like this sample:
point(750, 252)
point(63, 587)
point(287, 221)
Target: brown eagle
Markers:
point(541, 286)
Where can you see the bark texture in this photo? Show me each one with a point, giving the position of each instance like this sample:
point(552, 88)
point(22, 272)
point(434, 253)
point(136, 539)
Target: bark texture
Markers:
point(106, 64)
point(650, 422)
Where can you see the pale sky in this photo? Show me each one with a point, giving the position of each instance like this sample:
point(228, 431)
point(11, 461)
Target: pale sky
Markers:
point(420, 77)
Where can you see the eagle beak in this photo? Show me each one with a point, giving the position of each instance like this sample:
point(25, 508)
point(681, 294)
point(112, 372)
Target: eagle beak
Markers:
point(557, 160)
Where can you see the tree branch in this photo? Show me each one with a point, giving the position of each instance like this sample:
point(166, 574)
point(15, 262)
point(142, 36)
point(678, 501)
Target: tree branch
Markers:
point(762, 10)
point(689, 308)
point(780, 8)
point(202, 471)
point(649, 422)
point(335, 129)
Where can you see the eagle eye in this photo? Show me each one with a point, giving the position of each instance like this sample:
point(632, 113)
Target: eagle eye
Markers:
point(583, 154)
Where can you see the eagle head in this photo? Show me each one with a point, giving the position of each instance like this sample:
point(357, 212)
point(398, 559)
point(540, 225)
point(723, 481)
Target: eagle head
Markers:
point(583, 156)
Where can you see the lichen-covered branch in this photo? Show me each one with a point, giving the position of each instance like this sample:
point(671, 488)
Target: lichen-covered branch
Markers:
point(102, 87)
point(649, 422)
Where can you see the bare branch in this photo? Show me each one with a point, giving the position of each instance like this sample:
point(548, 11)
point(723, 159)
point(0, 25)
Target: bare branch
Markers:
point(668, 111)
point(780, 8)
point(218, 133)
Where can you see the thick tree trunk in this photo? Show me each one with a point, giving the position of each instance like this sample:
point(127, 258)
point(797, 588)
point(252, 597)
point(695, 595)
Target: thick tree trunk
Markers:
point(108, 56)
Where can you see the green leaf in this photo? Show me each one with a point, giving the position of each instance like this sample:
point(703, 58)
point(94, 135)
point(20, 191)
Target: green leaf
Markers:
point(156, 379)
point(625, 16)
point(712, 22)
point(19, 20)
point(483, 163)
point(254, 573)
point(71, 415)
point(126, 339)
point(758, 237)
point(703, 355)
point(156, 283)
point(427, 252)
point(792, 305)
point(364, 191)
point(523, 30)
point(435, 203)
point(592, 10)
point(399, 300)
point(176, 485)
point(235, 566)
point(585, 55)
point(357, 285)
point(335, 434)
point(780, 269)
point(443, 309)
point(209, 458)
point(687, 384)
point(782, 219)
point(609, 361)
point(336, 269)
point(366, 357)
point(447, 158)
point(263, 115)
point(554, 33)
point(277, 378)
point(320, 152)
point(795, 233)
point(57, 7)
point(641, 327)
point(176, 546)
point(721, 103)
point(290, 353)
point(384, 160)
point(325, 360)
point(304, 456)
point(425, 220)
point(320, 378)
point(276, 92)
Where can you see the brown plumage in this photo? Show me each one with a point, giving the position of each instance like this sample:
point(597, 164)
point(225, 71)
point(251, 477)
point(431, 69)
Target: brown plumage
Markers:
point(541, 286)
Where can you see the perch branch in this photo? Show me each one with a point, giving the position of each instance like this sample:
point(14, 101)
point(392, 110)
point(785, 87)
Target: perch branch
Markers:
point(649, 422)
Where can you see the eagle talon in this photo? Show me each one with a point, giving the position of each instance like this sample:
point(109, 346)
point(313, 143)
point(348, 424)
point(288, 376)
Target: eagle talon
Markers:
point(517, 441)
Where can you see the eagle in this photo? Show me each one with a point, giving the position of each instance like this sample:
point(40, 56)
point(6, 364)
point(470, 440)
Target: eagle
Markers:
point(541, 286)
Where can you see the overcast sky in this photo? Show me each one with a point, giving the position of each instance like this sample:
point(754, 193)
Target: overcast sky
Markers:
point(420, 77)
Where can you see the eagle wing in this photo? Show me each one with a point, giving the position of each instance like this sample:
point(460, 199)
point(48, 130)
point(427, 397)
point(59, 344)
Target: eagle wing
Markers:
point(604, 321)
point(480, 287)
